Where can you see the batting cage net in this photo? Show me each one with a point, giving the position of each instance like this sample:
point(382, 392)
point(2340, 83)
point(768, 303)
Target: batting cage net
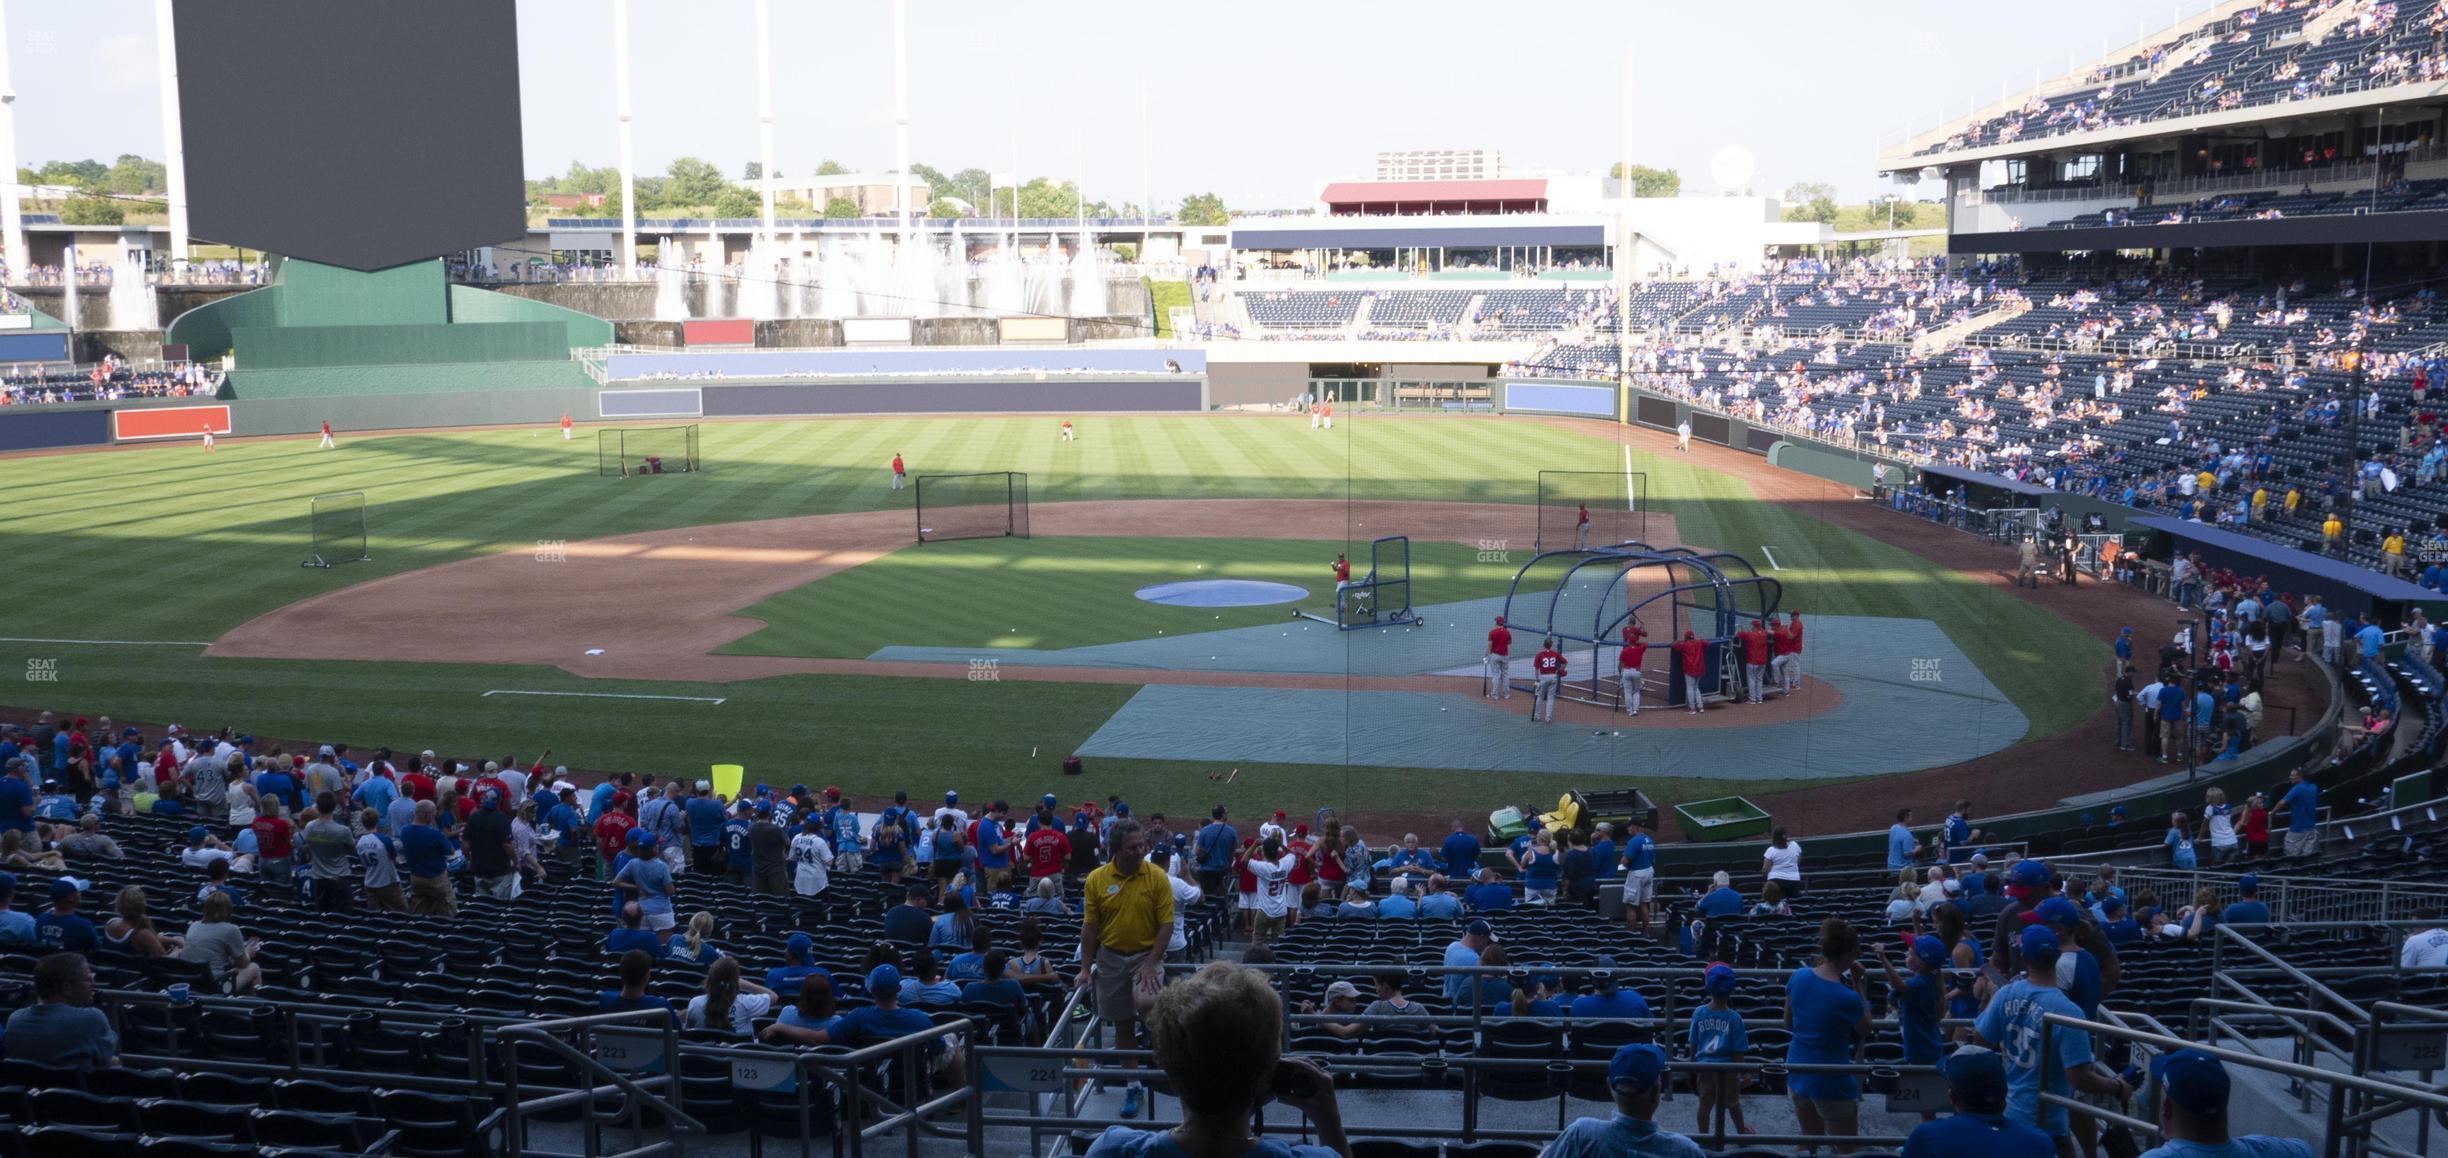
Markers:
point(623, 451)
point(972, 506)
point(1617, 501)
point(335, 529)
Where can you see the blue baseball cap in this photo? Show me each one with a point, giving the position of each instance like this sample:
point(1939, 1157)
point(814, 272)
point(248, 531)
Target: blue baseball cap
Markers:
point(1978, 1075)
point(2030, 873)
point(1048, 800)
point(951, 797)
point(198, 832)
point(2039, 947)
point(765, 808)
point(799, 945)
point(2192, 1081)
point(2248, 882)
point(798, 789)
point(1930, 950)
point(1719, 980)
point(1478, 928)
point(1636, 1069)
point(65, 887)
point(2113, 905)
point(641, 838)
point(883, 979)
point(8, 884)
point(2058, 911)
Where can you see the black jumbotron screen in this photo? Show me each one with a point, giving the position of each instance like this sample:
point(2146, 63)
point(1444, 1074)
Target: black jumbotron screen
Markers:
point(363, 135)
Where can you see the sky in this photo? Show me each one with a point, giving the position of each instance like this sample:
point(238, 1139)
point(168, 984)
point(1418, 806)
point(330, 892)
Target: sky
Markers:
point(1258, 101)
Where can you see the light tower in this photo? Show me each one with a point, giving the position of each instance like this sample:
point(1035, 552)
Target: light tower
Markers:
point(12, 213)
point(901, 161)
point(628, 150)
point(174, 145)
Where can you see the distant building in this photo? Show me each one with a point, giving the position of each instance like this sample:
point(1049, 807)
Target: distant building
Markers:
point(1440, 165)
point(573, 200)
point(873, 193)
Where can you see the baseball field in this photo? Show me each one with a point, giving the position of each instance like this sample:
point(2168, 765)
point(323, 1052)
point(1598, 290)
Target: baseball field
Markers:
point(775, 610)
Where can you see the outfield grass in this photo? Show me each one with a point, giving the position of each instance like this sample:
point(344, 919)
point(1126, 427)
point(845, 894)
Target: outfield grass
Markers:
point(1069, 592)
point(171, 544)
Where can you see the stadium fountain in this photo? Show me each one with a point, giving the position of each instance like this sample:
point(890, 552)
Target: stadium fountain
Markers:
point(131, 298)
point(671, 287)
point(1088, 294)
point(1002, 284)
point(759, 295)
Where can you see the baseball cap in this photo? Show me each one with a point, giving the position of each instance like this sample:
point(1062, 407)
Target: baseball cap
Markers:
point(2058, 911)
point(832, 792)
point(2030, 873)
point(1978, 1075)
point(883, 979)
point(951, 797)
point(66, 887)
point(1342, 989)
point(641, 838)
point(2112, 904)
point(798, 789)
point(765, 808)
point(2039, 946)
point(705, 786)
point(325, 750)
point(1478, 928)
point(1931, 950)
point(2248, 882)
point(1719, 979)
point(799, 945)
point(8, 884)
point(2193, 1081)
point(1636, 1069)
point(743, 806)
point(1279, 815)
point(198, 832)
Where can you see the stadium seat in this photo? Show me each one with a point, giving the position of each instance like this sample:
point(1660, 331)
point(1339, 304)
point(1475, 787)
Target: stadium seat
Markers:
point(432, 1125)
point(164, 1116)
point(75, 1142)
point(69, 1107)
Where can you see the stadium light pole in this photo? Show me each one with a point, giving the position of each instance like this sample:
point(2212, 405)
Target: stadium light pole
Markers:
point(1623, 257)
point(174, 143)
point(765, 157)
point(901, 161)
point(628, 148)
point(12, 210)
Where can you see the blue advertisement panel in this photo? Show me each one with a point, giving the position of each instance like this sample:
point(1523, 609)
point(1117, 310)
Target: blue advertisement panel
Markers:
point(34, 428)
point(1553, 398)
point(924, 397)
point(34, 346)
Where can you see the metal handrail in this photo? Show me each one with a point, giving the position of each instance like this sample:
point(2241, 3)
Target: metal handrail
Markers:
point(675, 1122)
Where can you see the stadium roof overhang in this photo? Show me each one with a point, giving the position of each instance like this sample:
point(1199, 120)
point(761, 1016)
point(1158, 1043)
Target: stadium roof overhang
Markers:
point(2302, 572)
point(1900, 158)
point(2333, 229)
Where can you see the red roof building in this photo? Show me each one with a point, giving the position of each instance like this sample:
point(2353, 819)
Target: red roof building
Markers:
point(1430, 198)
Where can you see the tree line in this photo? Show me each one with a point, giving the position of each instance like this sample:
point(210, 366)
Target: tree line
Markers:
point(101, 194)
point(694, 185)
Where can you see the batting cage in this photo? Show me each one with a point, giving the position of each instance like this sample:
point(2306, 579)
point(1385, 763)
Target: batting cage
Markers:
point(990, 505)
point(1615, 502)
point(1590, 597)
point(335, 529)
point(1380, 597)
point(623, 451)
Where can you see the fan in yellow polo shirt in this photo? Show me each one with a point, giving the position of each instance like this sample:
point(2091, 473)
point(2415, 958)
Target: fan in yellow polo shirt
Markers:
point(2392, 553)
point(1126, 920)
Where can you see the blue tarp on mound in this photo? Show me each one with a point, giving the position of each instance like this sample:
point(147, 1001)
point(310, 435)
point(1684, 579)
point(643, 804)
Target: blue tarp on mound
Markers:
point(1910, 700)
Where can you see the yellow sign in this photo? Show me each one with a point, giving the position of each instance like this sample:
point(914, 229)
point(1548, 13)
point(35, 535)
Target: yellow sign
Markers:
point(727, 779)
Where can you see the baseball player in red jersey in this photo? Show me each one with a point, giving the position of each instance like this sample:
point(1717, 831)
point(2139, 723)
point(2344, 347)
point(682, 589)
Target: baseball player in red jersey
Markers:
point(1790, 655)
point(900, 472)
point(1342, 574)
point(208, 438)
point(1788, 645)
point(1755, 658)
point(1496, 671)
point(1628, 669)
point(1314, 414)
point(565, 426)
point(1581, 529)
point(327, 442)
point(1066, 433)
point(1547, 668)
point(1326, 411)
point(1693, 652)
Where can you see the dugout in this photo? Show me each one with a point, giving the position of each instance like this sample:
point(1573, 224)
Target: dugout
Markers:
point(1586, 597)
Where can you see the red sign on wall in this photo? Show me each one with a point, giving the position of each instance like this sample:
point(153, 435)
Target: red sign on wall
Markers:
point(719, 332)
point(169, 422)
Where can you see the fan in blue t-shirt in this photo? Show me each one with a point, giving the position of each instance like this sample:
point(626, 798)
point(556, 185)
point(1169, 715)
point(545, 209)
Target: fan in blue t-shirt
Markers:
point(1976, 1081)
